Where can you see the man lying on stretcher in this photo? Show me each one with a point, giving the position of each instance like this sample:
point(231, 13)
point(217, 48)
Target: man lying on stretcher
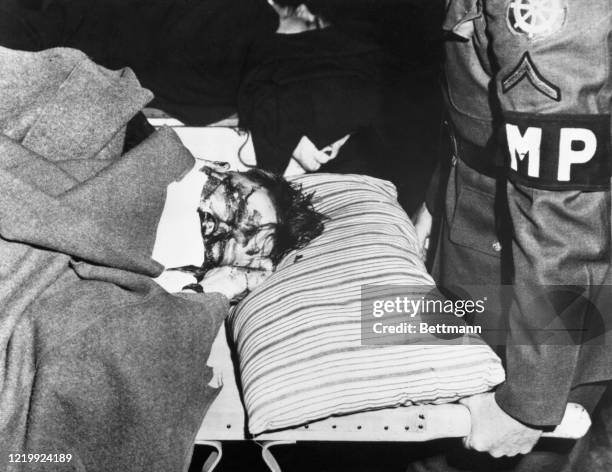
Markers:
point(224, 231)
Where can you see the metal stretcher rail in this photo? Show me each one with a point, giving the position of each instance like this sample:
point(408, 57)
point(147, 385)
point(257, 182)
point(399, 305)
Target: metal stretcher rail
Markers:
point(226, 420)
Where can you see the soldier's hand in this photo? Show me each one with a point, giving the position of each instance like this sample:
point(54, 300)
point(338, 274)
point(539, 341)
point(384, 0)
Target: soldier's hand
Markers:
point(422, 224)
point(494, 431)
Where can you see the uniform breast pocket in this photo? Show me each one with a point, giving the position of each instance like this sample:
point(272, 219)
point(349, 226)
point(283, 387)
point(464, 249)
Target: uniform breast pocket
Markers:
point(459, 12)
point(474, 222)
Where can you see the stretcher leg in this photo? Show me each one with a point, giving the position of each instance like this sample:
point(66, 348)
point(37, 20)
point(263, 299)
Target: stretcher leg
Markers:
point(214, 457)
point(267, 454)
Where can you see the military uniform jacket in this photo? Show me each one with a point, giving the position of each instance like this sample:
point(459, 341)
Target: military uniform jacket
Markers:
point(537, 73)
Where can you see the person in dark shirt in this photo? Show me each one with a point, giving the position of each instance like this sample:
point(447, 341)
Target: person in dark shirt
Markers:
point(206, 60)
point(190, 53)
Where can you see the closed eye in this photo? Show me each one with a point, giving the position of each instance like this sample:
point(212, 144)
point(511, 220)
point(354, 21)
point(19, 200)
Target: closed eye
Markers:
point(209, 223)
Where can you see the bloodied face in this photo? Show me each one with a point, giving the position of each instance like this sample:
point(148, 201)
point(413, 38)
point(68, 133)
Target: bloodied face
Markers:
point(237, 218)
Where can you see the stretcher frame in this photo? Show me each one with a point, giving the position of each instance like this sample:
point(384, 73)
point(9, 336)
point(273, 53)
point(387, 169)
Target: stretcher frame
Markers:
point(226, 419)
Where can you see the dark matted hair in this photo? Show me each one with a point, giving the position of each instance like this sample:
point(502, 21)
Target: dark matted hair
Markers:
point(298, 221)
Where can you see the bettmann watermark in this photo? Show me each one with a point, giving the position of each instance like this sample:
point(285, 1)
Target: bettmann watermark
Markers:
point(544, 315)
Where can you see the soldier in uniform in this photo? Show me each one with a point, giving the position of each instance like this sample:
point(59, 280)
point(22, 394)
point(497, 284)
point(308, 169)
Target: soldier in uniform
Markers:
point(528, 92)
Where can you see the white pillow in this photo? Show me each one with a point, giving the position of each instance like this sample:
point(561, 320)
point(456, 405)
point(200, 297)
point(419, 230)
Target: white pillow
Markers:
point(298, 335)
point(178, 241)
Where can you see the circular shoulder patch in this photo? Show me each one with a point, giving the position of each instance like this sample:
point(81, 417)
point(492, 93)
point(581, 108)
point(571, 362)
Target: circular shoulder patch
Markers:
point(536, 18)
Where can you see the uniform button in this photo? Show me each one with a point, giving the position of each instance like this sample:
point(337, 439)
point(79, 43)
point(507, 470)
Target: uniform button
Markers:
point(497, 247)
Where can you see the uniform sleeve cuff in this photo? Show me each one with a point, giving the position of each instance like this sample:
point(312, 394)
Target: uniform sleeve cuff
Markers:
point(523, 406)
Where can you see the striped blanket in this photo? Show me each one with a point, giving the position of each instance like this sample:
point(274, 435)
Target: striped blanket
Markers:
point(299, 337)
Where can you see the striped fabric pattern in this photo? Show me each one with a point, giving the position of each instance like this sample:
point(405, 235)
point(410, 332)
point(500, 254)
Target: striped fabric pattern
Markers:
point(298, 336)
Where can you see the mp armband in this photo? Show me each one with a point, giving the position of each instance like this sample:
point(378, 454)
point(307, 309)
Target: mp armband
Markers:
point(559, 152)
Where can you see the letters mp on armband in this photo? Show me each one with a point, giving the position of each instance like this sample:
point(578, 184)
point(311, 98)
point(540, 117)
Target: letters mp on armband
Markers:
point(559, 152)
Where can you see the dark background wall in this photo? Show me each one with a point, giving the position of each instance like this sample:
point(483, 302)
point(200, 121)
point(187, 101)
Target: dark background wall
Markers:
point(409, 32)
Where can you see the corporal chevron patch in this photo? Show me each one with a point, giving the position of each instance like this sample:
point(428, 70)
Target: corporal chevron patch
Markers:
point(527, 69)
